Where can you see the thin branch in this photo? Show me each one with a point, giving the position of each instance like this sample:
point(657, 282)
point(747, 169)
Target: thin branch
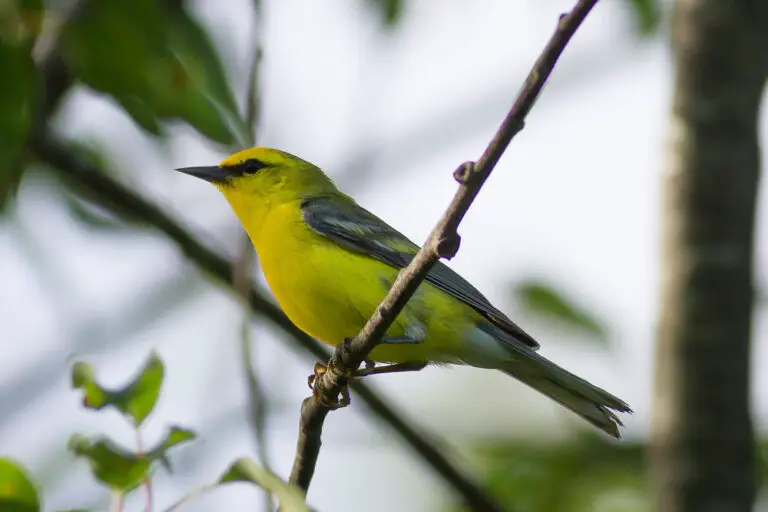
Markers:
point(118, 501)
point(443, 242)
point(191, 495)
point(126, 202)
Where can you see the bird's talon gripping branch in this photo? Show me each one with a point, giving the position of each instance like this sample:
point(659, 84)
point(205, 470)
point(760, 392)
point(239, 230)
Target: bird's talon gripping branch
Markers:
point(319, 392)
point(317, 372)
point(370, 368)
point(342, 400)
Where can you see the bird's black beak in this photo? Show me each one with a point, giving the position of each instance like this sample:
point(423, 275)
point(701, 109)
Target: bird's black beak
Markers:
point(213, 173)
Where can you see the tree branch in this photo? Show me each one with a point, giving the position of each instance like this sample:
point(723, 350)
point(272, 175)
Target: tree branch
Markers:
point(702, 444)
point(443, 242)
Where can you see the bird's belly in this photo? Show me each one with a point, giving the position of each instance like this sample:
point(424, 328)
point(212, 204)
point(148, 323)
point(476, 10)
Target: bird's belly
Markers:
point(315, 295)
point(330, 294)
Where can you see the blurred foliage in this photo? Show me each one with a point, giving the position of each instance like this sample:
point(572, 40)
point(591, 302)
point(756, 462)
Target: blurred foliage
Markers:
point(91, 216)
point(17, 492)
point(647, 15)
point(152, 57)
point(120, 469)
point(136, 400)
point(155, 61)
point(290, 497)
point(123, 470)
point(587, 472)
point(81, 202)
point(389, 11)
point(573, 475)
point(546, 301)
point(19, 26)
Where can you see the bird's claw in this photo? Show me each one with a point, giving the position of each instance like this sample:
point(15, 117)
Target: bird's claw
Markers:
point(317, 371)
point(342, 400)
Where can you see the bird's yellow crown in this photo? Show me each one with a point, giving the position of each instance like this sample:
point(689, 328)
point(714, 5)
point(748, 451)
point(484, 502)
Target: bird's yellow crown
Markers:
point(268, 156)
point(271, 174)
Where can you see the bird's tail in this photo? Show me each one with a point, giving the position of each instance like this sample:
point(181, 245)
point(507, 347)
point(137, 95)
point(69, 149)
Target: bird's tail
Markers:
point(595, 405)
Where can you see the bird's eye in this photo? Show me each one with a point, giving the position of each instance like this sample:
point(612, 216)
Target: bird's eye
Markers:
point(252, 166)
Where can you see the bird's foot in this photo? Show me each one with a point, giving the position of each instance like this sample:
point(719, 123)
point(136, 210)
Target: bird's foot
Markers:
point(317, 371)
point(342, 399)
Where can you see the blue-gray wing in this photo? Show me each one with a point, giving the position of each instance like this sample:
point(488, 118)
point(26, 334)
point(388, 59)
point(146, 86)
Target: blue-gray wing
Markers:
point(356, 229)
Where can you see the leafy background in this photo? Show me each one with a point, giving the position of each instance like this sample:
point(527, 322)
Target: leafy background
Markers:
point(387, 96)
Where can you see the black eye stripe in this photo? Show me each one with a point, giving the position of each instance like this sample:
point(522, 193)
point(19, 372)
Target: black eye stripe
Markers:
point(250, 166)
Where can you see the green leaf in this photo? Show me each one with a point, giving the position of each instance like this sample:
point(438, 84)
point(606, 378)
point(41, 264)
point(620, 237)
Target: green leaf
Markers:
point(195, 50)
point(134, 51)
point(17, 97)
point(114, 466)
point(20, 20)
point(647, 15)
point(546, 301)
point(17, 492)
point(120, 469)
point(141, 113)
point(176, 436)
point(136, 400)
point(289, 496)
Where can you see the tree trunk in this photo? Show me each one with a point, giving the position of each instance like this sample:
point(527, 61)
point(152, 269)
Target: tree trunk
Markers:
point(703, 452)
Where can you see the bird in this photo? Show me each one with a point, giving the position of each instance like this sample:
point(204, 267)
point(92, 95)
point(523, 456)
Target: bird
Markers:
point(329, 262)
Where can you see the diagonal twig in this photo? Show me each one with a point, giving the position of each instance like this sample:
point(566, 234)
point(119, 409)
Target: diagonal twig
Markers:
point(443, 242)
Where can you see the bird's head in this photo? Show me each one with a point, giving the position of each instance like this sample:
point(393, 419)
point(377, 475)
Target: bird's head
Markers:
point(263, 175)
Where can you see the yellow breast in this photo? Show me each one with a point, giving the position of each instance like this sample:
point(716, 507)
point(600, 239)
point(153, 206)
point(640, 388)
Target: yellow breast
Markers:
point(329, 292)
point(316, 282)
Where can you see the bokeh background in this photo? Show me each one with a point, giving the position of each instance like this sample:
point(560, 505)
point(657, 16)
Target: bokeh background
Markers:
point(387, 97)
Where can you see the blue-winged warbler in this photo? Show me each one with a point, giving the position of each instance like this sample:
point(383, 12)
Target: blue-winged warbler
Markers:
point(329, 263)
